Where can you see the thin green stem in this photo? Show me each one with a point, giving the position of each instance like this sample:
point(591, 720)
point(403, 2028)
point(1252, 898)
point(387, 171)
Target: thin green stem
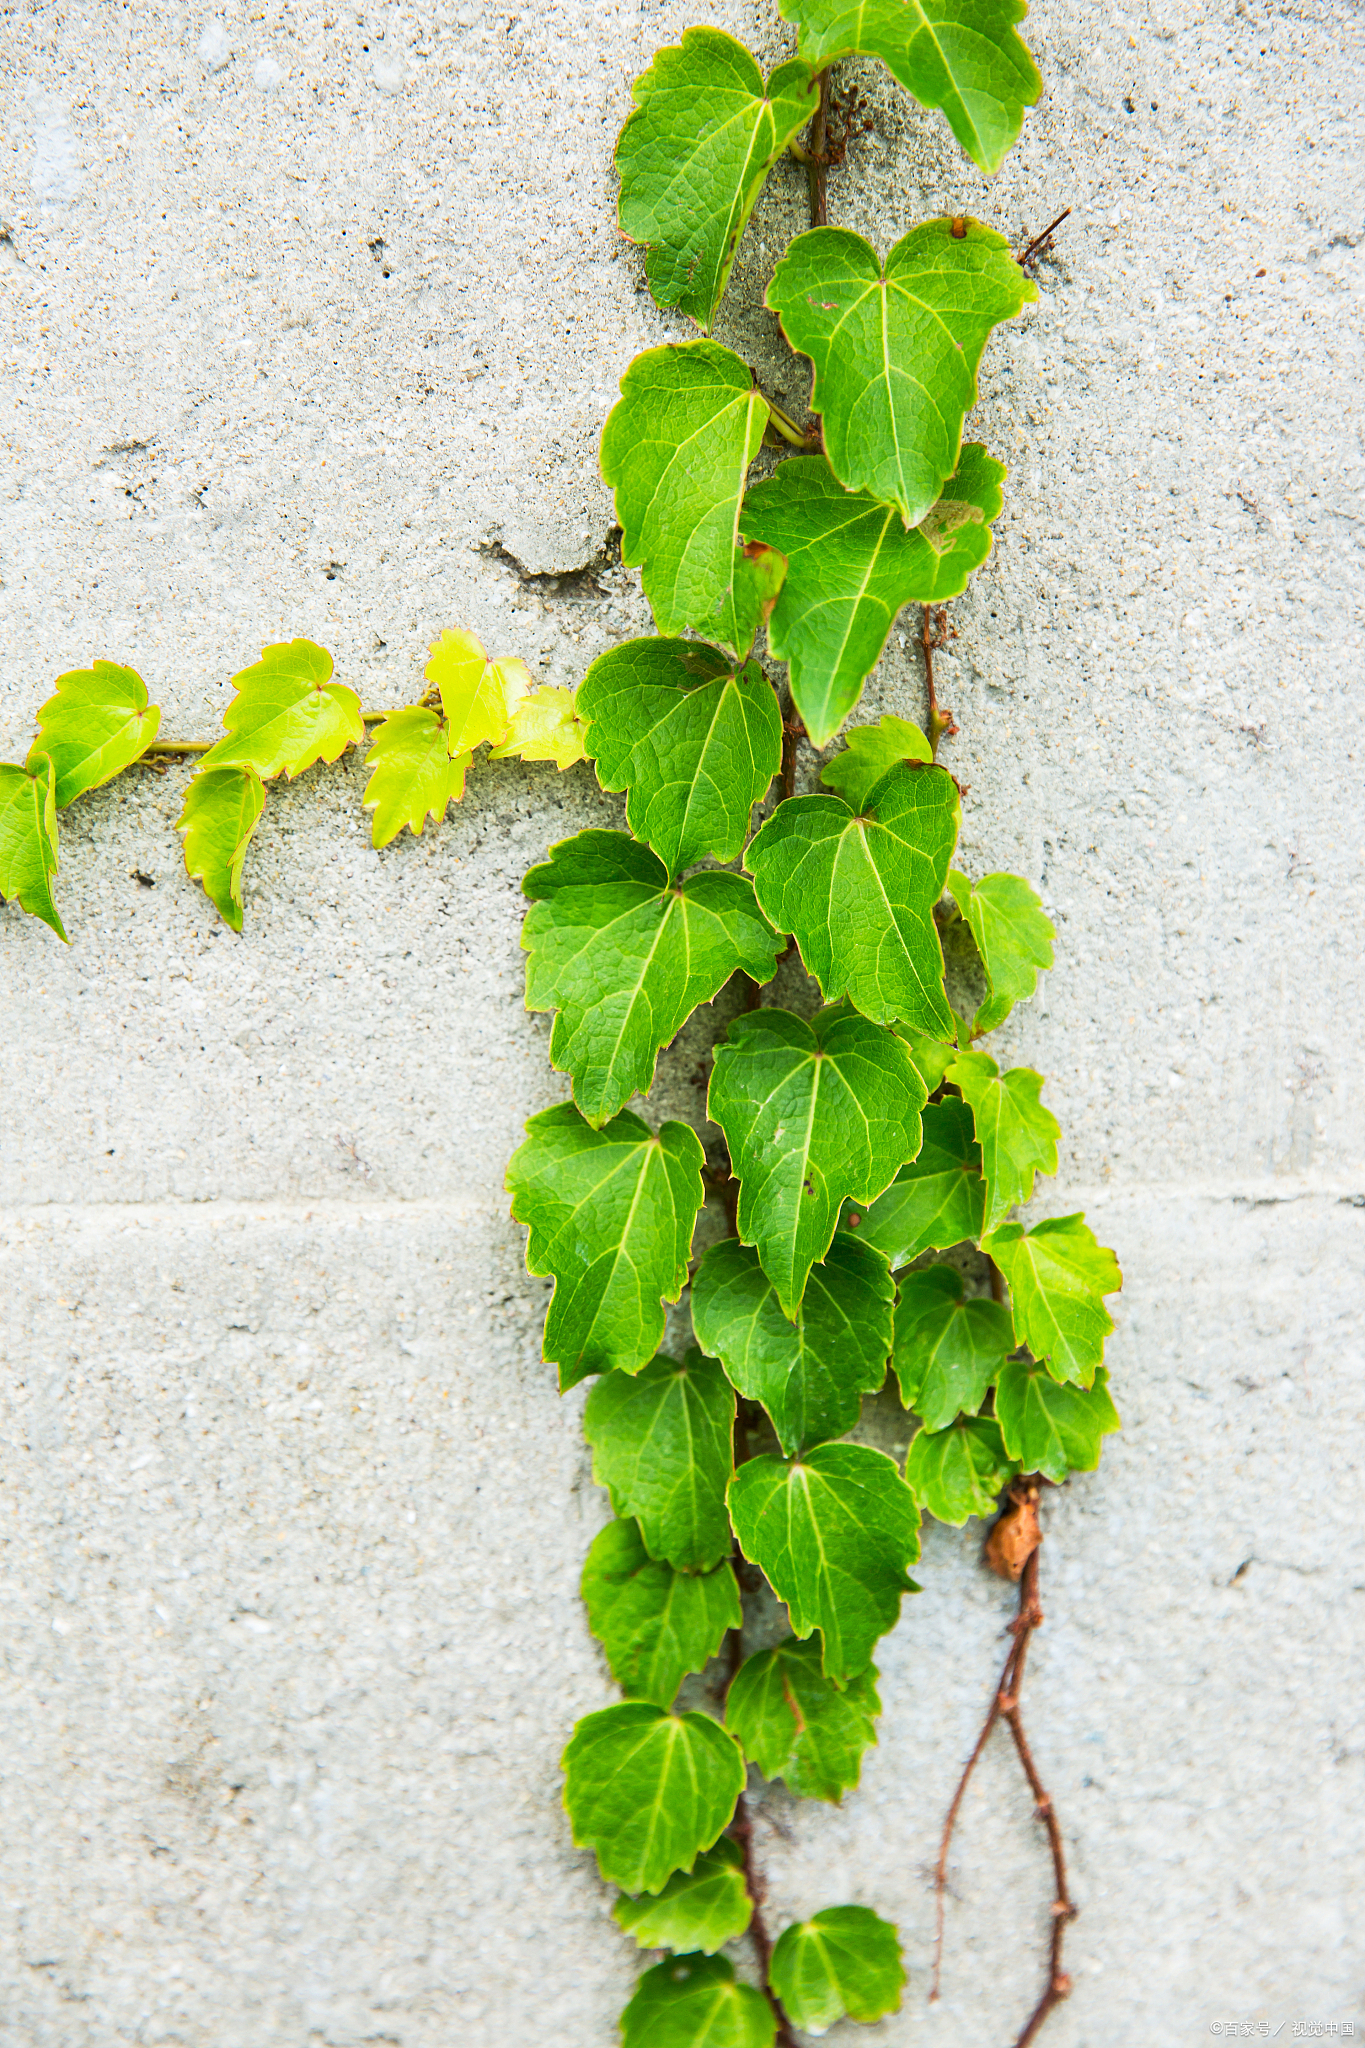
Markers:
point(174, 750)
point(787, 427)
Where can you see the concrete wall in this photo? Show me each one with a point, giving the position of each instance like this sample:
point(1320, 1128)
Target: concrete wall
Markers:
point(319, 341)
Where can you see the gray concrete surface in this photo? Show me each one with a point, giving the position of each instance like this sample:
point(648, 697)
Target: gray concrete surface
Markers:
point(310, 319)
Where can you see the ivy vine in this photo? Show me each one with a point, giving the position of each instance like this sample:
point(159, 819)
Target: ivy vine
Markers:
point(862, 1142)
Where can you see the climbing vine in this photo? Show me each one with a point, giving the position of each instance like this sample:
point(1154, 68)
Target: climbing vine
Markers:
point(862, 1138)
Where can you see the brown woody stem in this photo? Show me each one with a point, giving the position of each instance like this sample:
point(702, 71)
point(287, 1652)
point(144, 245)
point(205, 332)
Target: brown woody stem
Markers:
point(742, 1826)
point(1005, 1707)
point(933, 635)
point(1030, 249)
point(817, 170)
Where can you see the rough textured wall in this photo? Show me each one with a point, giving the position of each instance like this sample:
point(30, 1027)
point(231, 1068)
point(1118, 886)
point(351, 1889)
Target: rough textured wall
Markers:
point(311, 316)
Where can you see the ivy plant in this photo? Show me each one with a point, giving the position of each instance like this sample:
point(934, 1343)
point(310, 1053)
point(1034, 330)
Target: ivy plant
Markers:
point(860, 1232)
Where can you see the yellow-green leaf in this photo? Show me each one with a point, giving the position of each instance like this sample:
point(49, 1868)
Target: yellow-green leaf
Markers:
point(28, 837)
point(93, 726)
point(222, 809)
point(287, 714)
point(544, 727)
point(478, 694)
point(412, 776)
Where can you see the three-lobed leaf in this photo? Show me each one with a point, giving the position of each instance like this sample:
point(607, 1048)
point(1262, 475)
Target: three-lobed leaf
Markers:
point(649, 1790)
point(221, 812)
point(832, 1532)
point(1013, 936)
point(696, 2002)
point(28, 837)
point(857, 889)
point(676, 450)
point(479, 695)
point(796, 1724)
point(851, 566)
point(931, 1056)
point(663, 1446)
point(544, 726)
point(1017, 1136)
point(692, 740)
point(843, 1963)
point(947, 1350)
point(412, 774)
point(868, 752)
point(655, 1624)
point(959, 1471)
point(939, 1198)
point(624, 956)
point(693, 158)
point(287, 714)
point(965, 56)
point(1052, 1427)
point(94, 725)
point(813, 1113)
point(611, 1215)
point(698, 1910)
point(810, 1372)
point(896, 348)
point(1058, 1274)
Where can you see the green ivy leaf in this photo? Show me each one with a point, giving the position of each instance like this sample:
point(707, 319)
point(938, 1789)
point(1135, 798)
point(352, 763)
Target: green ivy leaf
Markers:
point(812, 1113)
point(964, 56)
point(1058, 1275)
point(858, 889)
point(694, 156)
point(832, 1532)
point(97, 722)
point(870, 750)
point(28, 838)
point(959, 1471)
point(655, 1624)
point(939, 1199)
point(1050, 1427)
point(947, 1350)
point(696, 2002)
point(1018, 1137)
point(663, 1446)
point(544, 726)
point(811, 1373)
point(610, 1214)
point(625, 956)
point(851, 566)
point(412, 776)
point(1013, 936)
point(479, 695)
point(649, 1790)
point(843, 1963)
point(222, 810)
point(895, 351)
point(693, 743)
point(796, 1725)
point(932, 1058)
point(287, 714)
point(697, 1910)
point(676, 450)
